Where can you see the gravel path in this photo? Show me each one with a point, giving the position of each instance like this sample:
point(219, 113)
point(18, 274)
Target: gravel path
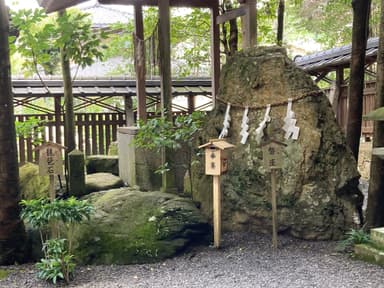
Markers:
point(245, 260)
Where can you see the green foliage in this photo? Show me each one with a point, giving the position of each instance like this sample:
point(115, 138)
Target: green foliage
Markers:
point(40, 212)
point(58, 263)
point(42, 37)
point(80, 43)
point(32, 128)
point(354, 236)
point(158, 133)
point(161, 133)
point(44, 214)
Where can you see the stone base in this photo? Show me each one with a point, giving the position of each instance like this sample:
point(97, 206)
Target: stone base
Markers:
point(368, 253)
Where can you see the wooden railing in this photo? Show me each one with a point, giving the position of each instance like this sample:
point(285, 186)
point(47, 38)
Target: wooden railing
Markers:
point(94, 133)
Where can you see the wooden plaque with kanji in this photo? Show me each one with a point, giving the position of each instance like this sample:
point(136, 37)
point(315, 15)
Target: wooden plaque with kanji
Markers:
point(50, 159)
point(273, 155)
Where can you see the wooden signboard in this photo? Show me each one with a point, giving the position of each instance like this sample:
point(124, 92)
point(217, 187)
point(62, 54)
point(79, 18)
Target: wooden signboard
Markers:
point(273, 160)
point(216, 163)
point(50, 159)
point(272, 155)
point(51, 164)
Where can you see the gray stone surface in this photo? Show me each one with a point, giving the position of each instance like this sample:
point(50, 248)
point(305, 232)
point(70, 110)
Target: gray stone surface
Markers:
point(317, 191)
point(102, 163)
point(131, 226)
point(102, 181)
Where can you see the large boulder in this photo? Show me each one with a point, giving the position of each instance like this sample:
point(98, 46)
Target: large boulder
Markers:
point(317, 189)
point(32, 185)
point(102, 181)
point(130, 226)
point(102, 163)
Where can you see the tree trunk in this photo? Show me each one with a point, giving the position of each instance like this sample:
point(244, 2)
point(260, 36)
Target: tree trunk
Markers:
point(69, 115)
point(168, 179)
point(356, 85)
point(375, 209)
point(12, 233)
point(280, 22)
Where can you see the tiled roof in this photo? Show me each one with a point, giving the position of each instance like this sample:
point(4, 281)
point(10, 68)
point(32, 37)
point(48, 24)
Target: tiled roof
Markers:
point(109, 87)
point(329, 60)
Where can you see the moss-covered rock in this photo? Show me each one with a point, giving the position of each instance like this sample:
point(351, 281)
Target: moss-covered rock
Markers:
point(32, 185)
point(102, 163)
point(130, 226)
point(3, 274)
point(101, 181)
point(317, 186)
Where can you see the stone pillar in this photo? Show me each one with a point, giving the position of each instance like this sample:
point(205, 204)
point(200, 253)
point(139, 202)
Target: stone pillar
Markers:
point(137, 166)
point(126, 152)
point(76, 170)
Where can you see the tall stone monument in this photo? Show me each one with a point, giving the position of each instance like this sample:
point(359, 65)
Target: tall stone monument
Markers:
point(317, 187)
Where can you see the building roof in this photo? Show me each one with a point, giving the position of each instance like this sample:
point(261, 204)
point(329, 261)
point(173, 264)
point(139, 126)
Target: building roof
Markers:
point(331, 59)
point(55, 5)
point(108, 87)
point(104, 16)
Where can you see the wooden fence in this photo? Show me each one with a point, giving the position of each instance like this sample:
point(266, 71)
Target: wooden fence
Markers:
point(94, 133)
point(368, 105)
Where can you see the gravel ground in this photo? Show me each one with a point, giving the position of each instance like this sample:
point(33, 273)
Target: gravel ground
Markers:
point(245, 260)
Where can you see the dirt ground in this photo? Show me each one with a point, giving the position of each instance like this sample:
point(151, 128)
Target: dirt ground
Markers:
point(364, 162)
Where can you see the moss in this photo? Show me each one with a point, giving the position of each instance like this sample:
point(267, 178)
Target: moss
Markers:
point(137, 227)
point(3, 274)
point(32, 185)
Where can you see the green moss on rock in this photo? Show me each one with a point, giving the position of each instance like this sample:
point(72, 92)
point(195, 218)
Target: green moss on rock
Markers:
point(3, 274)
point(32, 185)
point(138, 227)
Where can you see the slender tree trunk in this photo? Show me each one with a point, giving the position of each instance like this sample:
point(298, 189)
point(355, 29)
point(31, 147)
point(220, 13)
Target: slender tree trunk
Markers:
point(69, 115)
point(280, 22)
point(375, 209)
point(356, 85)
point(12, 233)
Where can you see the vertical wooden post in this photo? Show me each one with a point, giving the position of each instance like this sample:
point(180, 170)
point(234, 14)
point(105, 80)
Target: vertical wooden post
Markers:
point(58, 119)
point(338, 92)
point(140, 63)
point(52, 193)
point(249, 24)
point(216, 211)
point(274, 208)
point(215, 51)
point(165, 58)
point(191, 103)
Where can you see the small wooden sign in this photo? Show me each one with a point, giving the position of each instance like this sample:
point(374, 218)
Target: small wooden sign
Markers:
point(216, 161)
point(273, 155)
point(273, 160)
point(50, 159)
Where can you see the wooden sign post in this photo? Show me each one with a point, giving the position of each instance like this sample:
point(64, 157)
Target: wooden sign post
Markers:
point(216, 163)
point(273, 160)
point(50, 163)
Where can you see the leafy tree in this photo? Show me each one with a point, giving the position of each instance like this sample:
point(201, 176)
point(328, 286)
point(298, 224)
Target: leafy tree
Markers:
point(12, 233)
point(42, 39)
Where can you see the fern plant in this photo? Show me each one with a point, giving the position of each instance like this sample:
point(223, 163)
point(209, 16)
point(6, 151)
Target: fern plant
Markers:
point(354, 236)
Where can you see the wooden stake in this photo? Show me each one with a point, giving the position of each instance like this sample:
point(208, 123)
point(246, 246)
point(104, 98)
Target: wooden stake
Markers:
point(52, 194)
point(216, 211)
point(274, 208)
